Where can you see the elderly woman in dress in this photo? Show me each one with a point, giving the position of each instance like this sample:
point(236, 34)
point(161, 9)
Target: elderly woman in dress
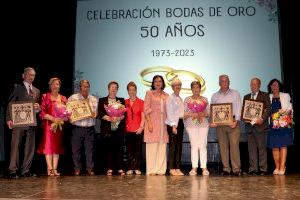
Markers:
point(52, 140)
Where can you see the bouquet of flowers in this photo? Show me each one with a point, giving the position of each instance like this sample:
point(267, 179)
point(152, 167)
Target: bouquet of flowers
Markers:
point(282, 119)
point(61, 112)
point(115, 109)
point(197, 106)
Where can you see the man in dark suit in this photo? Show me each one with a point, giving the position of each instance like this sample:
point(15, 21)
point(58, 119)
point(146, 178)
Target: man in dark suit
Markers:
point(257, 130)
point(22, 92)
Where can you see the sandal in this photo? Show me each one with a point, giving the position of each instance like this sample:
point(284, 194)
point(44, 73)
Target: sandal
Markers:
point(281, 172)
point(179, 172)
point(276, 172)
point(50, 172)
point(55, 173)
point(193, 172)
point(137, 172)
point(129, 172)
point(205, 172)
point(121, 172)
point(173, 172)
point(109, 172)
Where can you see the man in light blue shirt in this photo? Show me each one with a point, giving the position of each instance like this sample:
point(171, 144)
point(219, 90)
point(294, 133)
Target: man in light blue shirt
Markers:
point(229, 135)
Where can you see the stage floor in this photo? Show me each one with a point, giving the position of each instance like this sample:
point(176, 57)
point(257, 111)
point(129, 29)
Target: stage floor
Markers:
point(152, 187)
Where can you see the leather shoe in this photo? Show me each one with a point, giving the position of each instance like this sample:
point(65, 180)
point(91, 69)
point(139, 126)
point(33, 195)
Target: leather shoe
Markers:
point(13, 176)
point(77, 172)
point(252, 173)
point(90, 172)
point(26, 174)
point(262, 173)
point(225, 173)
point(237, 173)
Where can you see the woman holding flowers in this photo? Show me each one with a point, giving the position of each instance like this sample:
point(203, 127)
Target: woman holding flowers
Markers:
point(111, 111)
point(53, 113)
point(155, 134)
point(281, 133)
point(196, 112)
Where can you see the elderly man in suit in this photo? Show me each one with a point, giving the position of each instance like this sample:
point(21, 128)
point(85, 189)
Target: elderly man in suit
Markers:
point(22, 92)
point(257, 130)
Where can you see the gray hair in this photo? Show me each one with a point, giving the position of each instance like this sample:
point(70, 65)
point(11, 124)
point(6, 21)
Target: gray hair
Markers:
point(27, 69)
point(176, 81)
point(257, 79)
point(223, 76)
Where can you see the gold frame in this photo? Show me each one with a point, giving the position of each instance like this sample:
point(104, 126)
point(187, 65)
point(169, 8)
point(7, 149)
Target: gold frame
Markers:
point(221, 113)
point(80, 109)
point(252, 109)
point(23, 114)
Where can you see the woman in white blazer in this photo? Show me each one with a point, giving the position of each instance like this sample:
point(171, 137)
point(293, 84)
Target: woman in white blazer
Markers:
point(279, 138)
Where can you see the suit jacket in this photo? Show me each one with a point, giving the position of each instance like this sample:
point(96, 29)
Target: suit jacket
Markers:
point(263, 97)
point(105, 127)
point(20, 94)
point(285, 101)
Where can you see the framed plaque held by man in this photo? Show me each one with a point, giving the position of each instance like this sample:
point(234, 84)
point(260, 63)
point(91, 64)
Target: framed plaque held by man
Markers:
point(221, 113)
point(23, 114)
point(80, 109)
point(251, 110)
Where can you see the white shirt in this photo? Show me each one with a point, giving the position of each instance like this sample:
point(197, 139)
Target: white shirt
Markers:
point(254, 95)
point(28, 86)
point(175, 109)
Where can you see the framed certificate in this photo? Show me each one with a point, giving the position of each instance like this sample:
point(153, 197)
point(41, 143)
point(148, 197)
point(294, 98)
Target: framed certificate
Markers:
point(23, 114)
point(221, 114)
point(80, 110)
point(251, 110)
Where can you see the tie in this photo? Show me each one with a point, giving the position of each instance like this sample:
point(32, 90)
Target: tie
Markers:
point(30, 92)
point(252, 95)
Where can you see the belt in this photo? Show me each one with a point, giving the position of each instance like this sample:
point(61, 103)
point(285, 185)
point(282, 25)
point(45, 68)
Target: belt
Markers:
point(83, 127)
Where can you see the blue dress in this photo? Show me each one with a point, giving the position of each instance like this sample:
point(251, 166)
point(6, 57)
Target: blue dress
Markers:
point(281, 137)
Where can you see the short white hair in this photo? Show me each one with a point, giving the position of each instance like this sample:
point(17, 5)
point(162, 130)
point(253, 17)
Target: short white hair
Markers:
point(27, 69)
point(176, 81)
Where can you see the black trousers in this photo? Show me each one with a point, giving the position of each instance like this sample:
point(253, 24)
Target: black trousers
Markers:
point(114, 149)
point(175, 145)
point(134, 150)
point(18, 136)
point(83, 138)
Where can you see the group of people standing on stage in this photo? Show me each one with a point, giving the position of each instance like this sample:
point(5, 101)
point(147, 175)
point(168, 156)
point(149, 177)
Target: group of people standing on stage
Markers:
point(157, 120)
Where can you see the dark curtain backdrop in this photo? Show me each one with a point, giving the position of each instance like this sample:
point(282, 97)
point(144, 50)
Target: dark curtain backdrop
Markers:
point(42, 34)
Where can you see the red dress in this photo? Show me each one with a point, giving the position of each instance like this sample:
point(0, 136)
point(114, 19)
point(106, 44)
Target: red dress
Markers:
point(51, 142)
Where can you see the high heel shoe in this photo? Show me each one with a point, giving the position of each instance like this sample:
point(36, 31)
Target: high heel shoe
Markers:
point(281, 172)
point(276, 171)
point(50, 172)
point(55, 172)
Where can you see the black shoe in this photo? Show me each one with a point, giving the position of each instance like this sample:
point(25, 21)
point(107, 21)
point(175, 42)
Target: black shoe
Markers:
point(26, 174)
point(262, 173)
point(13, 176)
point(237, 173)
point(252, 173)
point(225, 173)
